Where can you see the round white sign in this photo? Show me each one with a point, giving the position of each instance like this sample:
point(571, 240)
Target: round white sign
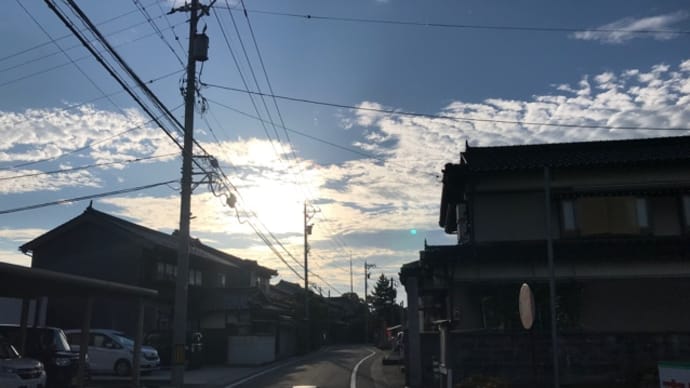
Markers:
point(526, 305)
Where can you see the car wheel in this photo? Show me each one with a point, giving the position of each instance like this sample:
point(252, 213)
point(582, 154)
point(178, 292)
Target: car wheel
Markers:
point(122, 368)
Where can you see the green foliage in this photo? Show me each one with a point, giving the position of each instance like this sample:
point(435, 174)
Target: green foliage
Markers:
point(383, 299)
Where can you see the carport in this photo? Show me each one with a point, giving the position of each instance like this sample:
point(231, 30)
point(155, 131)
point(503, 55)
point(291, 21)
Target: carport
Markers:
point(31, 283)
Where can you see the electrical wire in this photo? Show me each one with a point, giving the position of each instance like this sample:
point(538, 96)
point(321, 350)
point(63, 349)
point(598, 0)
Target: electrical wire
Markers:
point(88, 146)
point(465, 26)
point(324, 141)
point(58, 66)
point(101, 23)
point(158, 31)
point(86, 167)
point(453, 118)
point(91, 196)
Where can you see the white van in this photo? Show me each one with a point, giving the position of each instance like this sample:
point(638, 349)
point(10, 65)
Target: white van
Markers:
point(111, 351)
point(18, 372)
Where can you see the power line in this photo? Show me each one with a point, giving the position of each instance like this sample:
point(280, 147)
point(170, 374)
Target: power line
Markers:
point(102, 23)
point(92, 196)
point(149, 19)
point(466, 26)
point(110, 70)
point(55, 67)
point(324, 141)
point(91, 81)
point(446, 117)
point(86, 167)
point(128, 28)
point(244, 80)
point(76, 150)
point(256, 82)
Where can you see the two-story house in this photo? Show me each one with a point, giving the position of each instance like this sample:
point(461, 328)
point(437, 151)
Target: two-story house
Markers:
point(227, 295)
point(619, 216)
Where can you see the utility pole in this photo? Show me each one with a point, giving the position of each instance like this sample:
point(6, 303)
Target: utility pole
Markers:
point(367, 267)
point(182, 281)
point(351, 287)
point(307, 232)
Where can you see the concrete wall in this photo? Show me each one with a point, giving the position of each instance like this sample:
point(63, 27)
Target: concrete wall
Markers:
point(287, 342)
point(650, 305)
point(251, 350)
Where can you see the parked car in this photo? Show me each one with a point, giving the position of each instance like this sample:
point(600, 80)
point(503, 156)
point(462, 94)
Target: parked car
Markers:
point(49, 346)
point(19, 372)
point(110, 351)
point(162, 340)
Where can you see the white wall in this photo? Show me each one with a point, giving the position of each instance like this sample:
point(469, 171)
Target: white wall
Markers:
point(251, 350)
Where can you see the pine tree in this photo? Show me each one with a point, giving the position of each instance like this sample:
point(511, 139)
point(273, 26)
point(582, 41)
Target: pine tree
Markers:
point(383, 299)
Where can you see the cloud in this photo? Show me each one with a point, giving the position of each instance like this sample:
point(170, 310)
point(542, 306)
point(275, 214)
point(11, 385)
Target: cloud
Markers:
point(65, 138)
point(372, 203)
point(37, 134)
point(14, 257)
point(21, 235)
point(627, 29)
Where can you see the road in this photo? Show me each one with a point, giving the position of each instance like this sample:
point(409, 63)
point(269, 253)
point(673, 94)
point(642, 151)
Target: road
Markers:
point(332, 367)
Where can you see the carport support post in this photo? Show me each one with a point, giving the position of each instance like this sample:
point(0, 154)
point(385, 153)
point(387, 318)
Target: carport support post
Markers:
point(23, 323)
point(138, 338)
point(84, 341)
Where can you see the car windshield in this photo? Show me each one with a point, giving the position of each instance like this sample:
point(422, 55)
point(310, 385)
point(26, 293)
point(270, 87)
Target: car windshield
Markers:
point(126, 341)
point(7, 351)
point(61, 341)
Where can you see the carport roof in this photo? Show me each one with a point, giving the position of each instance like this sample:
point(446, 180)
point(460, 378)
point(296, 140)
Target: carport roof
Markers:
point(25, 282)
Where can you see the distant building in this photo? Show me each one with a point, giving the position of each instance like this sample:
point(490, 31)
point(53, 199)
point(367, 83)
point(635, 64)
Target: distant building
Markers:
point(620, 224)
point(228, 296)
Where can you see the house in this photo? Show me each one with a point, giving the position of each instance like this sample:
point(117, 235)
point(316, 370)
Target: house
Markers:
point(618, 217)
point(227, 295)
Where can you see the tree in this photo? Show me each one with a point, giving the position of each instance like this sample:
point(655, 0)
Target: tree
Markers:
point(383, 299)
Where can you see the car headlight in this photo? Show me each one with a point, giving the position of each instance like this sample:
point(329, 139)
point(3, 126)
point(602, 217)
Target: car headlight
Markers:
point(40, 366)
point(62, 361)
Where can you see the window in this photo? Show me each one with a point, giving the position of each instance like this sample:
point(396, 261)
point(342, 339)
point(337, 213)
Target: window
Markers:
point(614, 215)
point(686, 211)
point(194, 277)
point(221, 280)
point(568, 216)
point(165, 271)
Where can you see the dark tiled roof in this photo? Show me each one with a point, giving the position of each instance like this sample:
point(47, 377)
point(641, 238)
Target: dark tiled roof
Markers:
point(155, 237)
point(576, 154)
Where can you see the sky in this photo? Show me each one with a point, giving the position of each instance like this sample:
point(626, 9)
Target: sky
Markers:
point(487, 73)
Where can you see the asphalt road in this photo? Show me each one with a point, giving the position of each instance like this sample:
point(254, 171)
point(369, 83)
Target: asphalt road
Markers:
point(332, 368)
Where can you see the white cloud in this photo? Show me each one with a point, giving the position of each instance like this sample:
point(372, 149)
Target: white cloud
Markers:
point(52, 135)
point(21, 235)
point(399, 190)
point(38, 134)
point(15, 257)
point(626, 29)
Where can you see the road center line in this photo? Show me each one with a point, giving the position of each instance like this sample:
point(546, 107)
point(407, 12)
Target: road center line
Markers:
point(353, 376)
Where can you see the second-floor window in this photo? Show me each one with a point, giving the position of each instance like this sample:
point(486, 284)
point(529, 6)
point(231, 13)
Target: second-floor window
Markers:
point(194, 277)
point(611, 215)
point(222, 280)
point(165, 271)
